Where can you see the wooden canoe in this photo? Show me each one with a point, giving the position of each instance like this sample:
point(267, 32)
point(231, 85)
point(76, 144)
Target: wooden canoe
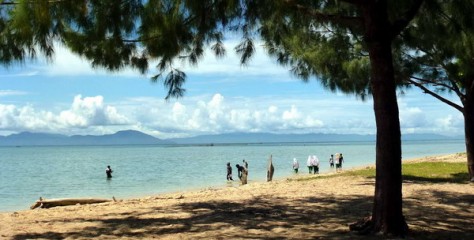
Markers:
point(49, 203)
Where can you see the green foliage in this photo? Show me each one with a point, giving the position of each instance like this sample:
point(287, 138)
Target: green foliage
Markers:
point(424, 172)
point(101, 31)
point(454, 172)
point(29, 29)
point(440, 47)
point(321, 47)
point(436, 172)
point(321, 39)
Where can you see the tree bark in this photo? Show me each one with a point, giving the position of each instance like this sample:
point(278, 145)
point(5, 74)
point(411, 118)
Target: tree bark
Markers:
point(387, 214)
point(469, 133)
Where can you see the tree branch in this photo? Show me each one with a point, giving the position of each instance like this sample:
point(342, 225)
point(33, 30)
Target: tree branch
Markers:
point(435, 95)
point(8, 3)
point(453, 87)
point(355, 2)
point(15, 3)
point(401, 23)
point(347, 21)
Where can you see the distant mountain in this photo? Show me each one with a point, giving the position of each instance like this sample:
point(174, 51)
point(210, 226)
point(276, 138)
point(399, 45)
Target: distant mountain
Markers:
point(128, 137)
point(131, 137)
point(229, 138)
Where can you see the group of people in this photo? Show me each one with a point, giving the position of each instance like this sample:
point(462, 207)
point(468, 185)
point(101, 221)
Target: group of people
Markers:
point(337, 160)
point(313, 163)
point(242, 171)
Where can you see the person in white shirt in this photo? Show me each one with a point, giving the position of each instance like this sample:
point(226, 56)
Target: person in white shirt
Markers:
point(310, 166)
point(296, 165)
point(315, 164)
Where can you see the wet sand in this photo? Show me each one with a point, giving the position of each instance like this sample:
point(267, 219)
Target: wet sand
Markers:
point(301, 207)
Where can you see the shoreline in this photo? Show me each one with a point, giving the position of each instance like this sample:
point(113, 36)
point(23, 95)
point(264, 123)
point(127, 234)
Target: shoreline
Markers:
point(314, 208)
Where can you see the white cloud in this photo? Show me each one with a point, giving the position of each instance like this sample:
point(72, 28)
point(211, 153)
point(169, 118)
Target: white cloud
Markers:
point(4, 93)
point(259, 65)
point(88, 112)
point(450, 123)
point(429, 116)
point(217, 114)
point(211, 114)
point(412, 118)
point(66, 63)
point(20, 74)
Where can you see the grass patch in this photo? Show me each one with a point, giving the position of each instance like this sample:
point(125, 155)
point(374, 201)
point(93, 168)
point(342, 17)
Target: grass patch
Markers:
point(368, 172)
point(420, 172)
point(436, 172)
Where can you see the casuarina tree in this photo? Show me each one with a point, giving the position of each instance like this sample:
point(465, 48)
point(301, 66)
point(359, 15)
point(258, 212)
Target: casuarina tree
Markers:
point(438, 58)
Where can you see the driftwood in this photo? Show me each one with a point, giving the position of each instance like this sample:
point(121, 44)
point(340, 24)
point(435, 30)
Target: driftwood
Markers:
point(270, 169)
point(43, 203)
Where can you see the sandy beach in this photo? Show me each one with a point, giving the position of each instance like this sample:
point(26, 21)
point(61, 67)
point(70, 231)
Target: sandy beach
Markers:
point(301, 207)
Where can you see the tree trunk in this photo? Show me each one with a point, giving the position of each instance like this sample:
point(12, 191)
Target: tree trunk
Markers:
point(387, 214)
point(469, 133)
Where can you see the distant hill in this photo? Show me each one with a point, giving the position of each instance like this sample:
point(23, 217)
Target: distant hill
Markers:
point(131, 137)
point(294, 138)
point(128, 137)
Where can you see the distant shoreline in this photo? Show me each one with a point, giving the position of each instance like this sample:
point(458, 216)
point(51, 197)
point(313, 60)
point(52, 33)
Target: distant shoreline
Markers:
point(321, 143)
point(132, 137)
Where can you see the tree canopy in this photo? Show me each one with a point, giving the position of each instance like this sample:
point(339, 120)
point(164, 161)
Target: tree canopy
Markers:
point(438, 58)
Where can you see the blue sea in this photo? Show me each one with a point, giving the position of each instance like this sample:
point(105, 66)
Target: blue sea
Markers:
point(26, 173)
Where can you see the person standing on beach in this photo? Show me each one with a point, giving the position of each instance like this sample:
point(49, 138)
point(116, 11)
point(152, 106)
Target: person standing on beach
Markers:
point(239, 171)
point(242, 172)
point(108, 172)
point(296, 165)
point(341, 159)
point(310, 166)
point(315, 164)
point(229, 172)
point(331, 161)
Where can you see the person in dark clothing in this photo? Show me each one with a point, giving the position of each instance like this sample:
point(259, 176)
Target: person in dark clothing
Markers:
point(341, 160)
point(108, 171)
point(229, 172)
point(239, 170)
point(242, 172)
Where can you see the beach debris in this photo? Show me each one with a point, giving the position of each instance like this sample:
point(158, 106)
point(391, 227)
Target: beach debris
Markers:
point(49, 203)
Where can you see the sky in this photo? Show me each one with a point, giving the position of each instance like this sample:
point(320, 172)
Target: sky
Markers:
point(67, 96)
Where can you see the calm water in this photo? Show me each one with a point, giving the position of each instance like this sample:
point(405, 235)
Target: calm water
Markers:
point(26, 173)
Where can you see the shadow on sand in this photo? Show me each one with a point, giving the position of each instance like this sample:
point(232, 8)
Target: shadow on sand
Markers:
point(274, 218)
